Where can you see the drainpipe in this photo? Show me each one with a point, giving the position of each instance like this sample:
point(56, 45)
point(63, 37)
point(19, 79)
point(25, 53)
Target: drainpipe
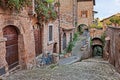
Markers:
point(59, 28)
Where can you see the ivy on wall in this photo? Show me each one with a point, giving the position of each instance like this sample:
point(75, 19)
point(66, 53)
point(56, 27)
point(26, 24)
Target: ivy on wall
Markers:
point(44, 8)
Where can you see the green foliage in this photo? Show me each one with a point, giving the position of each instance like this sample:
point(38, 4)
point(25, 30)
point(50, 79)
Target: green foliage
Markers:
point(75, 37)
point(103, 38)
point(115, 20)
point(14, 4)
point(91, 41)
point(45, 12)
point(70, 46)
point(49, 1)
point(57, 4)
point(71, 43)
point(97, 24)
point(97, 51)
point(108, 22)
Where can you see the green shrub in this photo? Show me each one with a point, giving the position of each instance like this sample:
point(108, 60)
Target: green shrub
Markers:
point(103, 38)
point(75, 37)
point(70, 46)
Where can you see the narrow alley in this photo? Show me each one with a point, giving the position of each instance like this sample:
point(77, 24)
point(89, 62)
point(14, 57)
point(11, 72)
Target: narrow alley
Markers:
point(89, 69)
point(59, 40)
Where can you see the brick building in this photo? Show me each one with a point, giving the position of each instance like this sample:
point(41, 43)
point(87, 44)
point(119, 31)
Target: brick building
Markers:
point(16, 38)
point(73, 13)
point(23, 37)
point(112, 47)
point(85, 13)
point(66, 22)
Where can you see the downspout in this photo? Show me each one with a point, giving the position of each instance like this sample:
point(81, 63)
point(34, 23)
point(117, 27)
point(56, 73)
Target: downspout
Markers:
point(59, 28)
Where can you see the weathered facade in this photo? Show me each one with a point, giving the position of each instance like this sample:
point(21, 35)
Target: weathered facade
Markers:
point(23, 37)
point(66, 22)
point(85, 13)
point(112, 46)
point(16, 38)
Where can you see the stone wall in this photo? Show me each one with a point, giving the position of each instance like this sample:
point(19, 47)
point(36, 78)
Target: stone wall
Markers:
point(112, 46)
point(96, 32)
point(48, 46)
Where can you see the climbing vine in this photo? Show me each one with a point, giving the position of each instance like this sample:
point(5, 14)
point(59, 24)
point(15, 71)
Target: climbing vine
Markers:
point(14, 4)
point(44, 8)
point(45, 11)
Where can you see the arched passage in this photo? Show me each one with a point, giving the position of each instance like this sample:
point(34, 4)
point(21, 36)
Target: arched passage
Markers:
point(11, 34)
point(64, 41)
point(97, 50)
point(97, 47)
point(81, 28)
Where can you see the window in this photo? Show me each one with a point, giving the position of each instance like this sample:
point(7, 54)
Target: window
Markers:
point(64, 41)
point(84, 14)
point(50, 32)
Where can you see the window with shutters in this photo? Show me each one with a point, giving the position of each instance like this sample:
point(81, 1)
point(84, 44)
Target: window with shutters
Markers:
point(84, 14)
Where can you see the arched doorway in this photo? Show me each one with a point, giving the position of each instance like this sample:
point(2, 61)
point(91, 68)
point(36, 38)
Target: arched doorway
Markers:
point(64, 41)
point(55, 48)
point(38, 38)
point(11, 34)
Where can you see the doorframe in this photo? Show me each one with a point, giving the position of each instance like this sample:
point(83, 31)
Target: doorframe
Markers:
point(21, 48)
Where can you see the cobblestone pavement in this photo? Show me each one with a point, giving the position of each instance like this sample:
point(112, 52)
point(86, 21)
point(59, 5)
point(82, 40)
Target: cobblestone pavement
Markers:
point(89, 69)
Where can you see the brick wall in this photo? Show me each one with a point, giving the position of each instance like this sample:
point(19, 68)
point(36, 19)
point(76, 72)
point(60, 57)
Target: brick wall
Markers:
point(85, 6)
point(23, 23)
point(112, 49)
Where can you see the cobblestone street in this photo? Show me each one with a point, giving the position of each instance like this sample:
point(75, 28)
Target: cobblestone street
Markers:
point(89, 69)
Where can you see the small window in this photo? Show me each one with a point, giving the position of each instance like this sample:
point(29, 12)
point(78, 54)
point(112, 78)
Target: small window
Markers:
point(50, 33)
point(84, 14)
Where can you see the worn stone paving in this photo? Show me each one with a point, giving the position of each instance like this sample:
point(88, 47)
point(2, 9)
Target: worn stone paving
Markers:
point(89, 69)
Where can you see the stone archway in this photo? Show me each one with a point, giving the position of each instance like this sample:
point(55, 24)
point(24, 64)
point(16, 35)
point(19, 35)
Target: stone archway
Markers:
point(11, 33)
point(97, 47)
point(81, 28)
point(64, 41)
point(97, 50)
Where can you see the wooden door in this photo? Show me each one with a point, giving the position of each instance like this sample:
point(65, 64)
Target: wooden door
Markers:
point(38, 39)
point(11, 34)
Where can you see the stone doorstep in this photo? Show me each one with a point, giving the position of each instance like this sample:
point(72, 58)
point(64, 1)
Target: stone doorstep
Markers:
point(12, 71)
point(15, 69)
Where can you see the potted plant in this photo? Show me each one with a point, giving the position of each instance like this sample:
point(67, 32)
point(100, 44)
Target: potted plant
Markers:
point(69, 48)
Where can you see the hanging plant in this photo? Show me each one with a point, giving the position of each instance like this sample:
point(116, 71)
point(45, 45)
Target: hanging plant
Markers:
point(57, 4)
point(49, 1)
point(14, 4)
point(43, 10)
